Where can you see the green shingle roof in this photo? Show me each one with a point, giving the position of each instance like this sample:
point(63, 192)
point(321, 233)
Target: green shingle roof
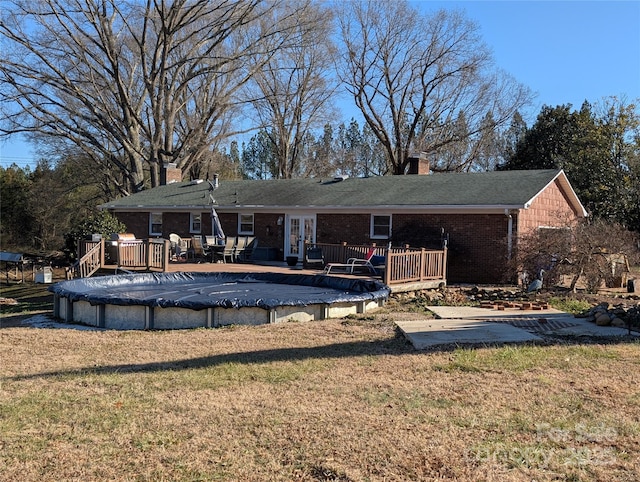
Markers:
point(499, 188)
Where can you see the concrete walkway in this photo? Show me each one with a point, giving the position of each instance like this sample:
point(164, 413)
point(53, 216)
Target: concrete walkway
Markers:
point(460, 325)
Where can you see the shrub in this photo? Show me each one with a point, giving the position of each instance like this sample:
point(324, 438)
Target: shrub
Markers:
point(101, 222)
point(583, 251)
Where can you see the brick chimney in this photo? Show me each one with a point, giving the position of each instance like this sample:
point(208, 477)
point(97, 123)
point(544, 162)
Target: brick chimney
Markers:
point(170, 173)
point(418, 164)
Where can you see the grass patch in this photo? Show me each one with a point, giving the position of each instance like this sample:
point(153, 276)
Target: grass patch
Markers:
point(507, 358)
point(343, 400)
point(520, 358)
point(569, 305)
point(236, 373)
point(32, 298)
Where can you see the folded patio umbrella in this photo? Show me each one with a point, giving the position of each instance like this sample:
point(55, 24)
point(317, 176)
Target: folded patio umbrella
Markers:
point(216, 226)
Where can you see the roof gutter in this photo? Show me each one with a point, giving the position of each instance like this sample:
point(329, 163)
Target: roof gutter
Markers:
point(431, 209)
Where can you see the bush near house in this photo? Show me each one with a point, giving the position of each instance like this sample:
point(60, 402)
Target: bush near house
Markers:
point(586, 253)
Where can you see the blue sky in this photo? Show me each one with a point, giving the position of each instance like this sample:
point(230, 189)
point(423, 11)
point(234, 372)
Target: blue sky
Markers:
point(565, 51)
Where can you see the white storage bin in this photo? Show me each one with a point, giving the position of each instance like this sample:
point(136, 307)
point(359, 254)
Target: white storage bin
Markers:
point(44, 275)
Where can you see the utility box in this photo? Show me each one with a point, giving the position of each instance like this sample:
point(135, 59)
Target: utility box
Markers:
point(44, 275)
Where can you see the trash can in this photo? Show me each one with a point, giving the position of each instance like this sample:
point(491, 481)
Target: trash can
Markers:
point(44, 275)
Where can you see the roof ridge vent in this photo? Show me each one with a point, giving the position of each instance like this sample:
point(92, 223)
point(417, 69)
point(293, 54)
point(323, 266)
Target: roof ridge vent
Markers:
point(196, 181)
point(340, 178)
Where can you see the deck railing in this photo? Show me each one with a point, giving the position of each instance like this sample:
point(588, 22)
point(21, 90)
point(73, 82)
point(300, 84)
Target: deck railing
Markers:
point(402, 264)
point(158, 254)
point(340, 253)
point(406, 265)
point(91, 260)
point(139, 254)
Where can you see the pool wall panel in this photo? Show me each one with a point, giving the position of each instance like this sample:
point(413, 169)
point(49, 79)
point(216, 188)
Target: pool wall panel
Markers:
point(178, 318)
point(125, 317)
point(193, 300)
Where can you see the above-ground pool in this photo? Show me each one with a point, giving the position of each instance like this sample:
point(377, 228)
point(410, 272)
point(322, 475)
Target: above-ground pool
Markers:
point(191, 300)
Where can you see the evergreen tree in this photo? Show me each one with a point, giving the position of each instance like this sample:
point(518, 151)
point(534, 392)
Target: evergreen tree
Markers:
point(599, 154)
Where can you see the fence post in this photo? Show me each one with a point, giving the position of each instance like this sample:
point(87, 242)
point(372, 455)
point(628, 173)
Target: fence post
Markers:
point(166, 255)
point(101, 252)
point(149, 253)
point(305, 247)
point(387, 266)
point(423, 264)
point(444, 264)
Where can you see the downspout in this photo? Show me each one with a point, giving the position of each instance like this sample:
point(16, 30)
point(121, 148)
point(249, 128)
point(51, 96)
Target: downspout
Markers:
point(507, 213)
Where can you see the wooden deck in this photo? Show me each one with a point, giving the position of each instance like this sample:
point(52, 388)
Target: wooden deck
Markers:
point(402, 267)
point(254, 267)
point(281, 267)
point(405, 269)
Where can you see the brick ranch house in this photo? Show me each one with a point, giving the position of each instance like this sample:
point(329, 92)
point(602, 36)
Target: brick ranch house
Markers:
point(480, 215)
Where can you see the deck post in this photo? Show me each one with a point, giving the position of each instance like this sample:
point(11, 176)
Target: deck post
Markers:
point(387, 267)
point(102, 255)
point(166, 255)
point(149, 248)
point(444, 264)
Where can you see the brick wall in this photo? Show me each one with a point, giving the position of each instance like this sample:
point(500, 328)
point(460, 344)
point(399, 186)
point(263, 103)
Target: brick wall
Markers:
point(266, 227)
point(550, 208)
point(137, 223)
point(178, 223)
point(477, 243)
point(338, 228)
point(170, 173)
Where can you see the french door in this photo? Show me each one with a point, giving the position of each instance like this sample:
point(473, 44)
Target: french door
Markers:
point(300, 228)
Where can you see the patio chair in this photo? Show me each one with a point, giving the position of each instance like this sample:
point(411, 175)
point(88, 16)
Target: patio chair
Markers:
point(177, 251)
point(197, 251)
point(214, 248)
point(252, 244)
point(238, 250)
point(229, 249)
point(314, 257)
point(359, 264)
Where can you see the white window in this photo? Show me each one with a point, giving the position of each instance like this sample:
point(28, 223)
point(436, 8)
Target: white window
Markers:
point(245, 224)
point(155, 223)
point(380, 226)
point(195, 222)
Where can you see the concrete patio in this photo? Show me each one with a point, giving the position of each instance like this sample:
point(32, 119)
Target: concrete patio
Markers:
point(464, 325)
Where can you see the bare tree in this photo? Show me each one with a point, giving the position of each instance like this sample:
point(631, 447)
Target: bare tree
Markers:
point(590, 252)
point(133, 85)
point(292, 92)
point(412, 76)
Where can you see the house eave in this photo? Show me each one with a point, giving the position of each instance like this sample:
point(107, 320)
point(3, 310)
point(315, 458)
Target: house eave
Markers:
point(561, 177)
point(389, 208)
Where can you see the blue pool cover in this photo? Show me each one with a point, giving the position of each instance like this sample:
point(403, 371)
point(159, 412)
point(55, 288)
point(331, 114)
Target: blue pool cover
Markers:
point(199, 291)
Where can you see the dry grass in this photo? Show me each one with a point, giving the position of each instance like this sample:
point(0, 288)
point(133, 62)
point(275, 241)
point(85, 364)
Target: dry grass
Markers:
point(341, 400)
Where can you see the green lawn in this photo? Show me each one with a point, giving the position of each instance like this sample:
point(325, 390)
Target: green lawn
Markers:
point(334, 400)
